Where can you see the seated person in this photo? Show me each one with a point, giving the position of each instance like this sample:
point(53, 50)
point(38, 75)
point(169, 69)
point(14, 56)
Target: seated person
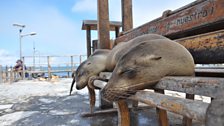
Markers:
point(19, 67)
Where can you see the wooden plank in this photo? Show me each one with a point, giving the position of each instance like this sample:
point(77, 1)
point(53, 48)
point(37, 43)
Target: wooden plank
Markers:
point(188, 121)
point(1, 74)
point(112, 111)
point(49, 68)
point(209, 72)
point(205, 48)
point(103, 25)
point(88, 41)
point(161, 113)
point(205, 86)
point(127, 21)
point(185, 107)
point(105, 75)
point(202, 16)
point(101, 112)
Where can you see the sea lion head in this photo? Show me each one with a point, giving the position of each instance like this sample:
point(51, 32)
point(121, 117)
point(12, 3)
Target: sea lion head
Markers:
point(144, 65)
point(90, 67)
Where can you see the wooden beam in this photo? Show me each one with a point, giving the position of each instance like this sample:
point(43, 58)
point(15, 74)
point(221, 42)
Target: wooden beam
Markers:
point(103, 25)
point(205, 86)
point(127, 21)
point(161, 113)
point(185, 107)
point(188, 121)
point(88, 41)
point(199, 17)
point(206, 48)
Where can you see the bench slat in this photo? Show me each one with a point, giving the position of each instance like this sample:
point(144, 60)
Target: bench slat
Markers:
point(189, 108)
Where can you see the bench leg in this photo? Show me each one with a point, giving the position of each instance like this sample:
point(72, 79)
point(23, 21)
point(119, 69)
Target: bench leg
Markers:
point(123, 113)
point(187, 121)
point(162, 114)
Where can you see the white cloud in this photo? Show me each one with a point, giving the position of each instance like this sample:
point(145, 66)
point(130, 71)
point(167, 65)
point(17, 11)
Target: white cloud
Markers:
point(6, 58)
point(85, 6)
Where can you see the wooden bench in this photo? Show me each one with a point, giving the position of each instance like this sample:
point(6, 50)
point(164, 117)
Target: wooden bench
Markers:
point(199, 27)
point(189, 108)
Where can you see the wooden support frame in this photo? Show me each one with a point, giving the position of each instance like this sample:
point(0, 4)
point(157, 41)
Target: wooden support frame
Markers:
point(127, 20)
point(88, 40)
point(103, 25)
point(199, 17)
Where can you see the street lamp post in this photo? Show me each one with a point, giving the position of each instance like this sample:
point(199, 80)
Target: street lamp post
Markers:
point(20, 41)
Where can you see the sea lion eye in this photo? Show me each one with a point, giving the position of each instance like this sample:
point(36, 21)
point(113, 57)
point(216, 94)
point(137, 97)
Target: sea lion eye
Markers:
point(130, 72)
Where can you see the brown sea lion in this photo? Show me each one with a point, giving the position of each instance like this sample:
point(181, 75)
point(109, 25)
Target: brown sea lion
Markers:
point(122, 48)
point(95, 64)
point(145, 64)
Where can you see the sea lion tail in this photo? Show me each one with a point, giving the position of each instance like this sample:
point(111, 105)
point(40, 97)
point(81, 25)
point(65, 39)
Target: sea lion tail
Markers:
point(73, 82)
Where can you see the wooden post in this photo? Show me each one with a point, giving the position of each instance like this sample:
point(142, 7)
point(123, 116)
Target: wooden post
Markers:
point(80, 59)
point(117, 31)
point(123, 113)
point(88, 40)
point(23, 74)
point(127, 21)
point(72, 64)
point(95, 45)
point(1, 74)
point(11, 75)
point(49, 68)
point(187, 121)
point(162, 114)
point(103, 25)
point(6, 74)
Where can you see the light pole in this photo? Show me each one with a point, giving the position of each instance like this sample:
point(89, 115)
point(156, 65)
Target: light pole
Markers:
point(21, 26)
point(20, 41)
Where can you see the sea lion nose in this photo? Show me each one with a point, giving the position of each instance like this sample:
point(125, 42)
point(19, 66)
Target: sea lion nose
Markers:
point(77, 87)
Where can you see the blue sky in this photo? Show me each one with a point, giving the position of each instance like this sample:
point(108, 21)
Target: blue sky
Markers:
point(58, 24)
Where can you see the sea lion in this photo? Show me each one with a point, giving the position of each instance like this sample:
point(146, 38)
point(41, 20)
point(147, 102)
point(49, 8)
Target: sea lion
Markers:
point(145, 64)
point(122, 48)
point(96, 62)
point(90, 67)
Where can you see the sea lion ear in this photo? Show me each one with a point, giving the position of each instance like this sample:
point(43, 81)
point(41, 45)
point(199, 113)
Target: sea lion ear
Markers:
point(154, 57)
point(147, 60)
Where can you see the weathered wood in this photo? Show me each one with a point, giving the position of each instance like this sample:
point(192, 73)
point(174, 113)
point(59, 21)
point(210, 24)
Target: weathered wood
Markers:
point(117, 31)
point(205, 86)
point(93, 25)
point(88, 41)
point(101, 112)
point(95, 45)
point(188, 121)
point(201, 16)
point(185, 107)
point(105, 75)
point(206, 48)
point(1, 74)
point(112, 111)
point(49, 68)
point(72, 65)
point(215, 72)
point(103, 25)
point(123, 113)
point(127, 21)
point(161, 113)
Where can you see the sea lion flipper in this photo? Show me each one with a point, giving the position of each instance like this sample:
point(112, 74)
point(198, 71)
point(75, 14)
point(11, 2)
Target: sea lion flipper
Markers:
point(73, 82)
